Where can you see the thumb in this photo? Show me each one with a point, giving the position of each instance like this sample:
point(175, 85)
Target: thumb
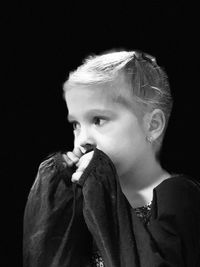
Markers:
point(77, 151)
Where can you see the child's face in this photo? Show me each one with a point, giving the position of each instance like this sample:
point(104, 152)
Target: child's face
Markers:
point(110, 126)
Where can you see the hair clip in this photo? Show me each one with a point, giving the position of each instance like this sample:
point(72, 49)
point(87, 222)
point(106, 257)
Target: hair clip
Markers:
point(144, 56)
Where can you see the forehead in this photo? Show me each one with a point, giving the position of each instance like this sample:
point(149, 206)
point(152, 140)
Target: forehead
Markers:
point(102, 95)
point(115, 95)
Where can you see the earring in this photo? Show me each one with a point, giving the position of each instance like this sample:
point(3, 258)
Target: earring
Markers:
point(149, 139)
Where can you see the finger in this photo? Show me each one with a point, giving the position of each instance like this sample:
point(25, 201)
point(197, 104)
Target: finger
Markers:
point(84, 161)
point(68, 160)
point(77, 151)
point(81, 168)
point(73, 157)
point(76, 176)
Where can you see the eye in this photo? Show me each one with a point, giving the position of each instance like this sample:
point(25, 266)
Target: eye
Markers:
point(98, 120)
point(74, 124)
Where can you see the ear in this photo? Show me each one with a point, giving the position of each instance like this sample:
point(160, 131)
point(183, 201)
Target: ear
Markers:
point(154, 124)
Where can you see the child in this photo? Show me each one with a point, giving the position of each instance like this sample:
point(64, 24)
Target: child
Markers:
point(109, 202)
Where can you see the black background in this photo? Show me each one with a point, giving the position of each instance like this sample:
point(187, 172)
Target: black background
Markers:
point(42, 43)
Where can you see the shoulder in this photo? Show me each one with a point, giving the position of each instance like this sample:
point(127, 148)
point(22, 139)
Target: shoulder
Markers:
point(179, 183)
point(179, 191)
point(51, 166)
point(175, 219)
point(55, 159)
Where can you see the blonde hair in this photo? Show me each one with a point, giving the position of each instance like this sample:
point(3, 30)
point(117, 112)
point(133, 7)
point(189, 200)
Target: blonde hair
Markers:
point(148, 82)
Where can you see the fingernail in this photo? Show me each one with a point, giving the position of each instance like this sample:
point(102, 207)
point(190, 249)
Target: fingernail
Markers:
point(83, 150)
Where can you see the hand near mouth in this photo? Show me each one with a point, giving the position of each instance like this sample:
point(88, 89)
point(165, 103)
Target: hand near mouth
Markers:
point(80, 159)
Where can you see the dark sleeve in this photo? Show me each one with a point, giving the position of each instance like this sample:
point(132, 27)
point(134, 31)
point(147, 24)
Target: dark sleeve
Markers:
point(175, 224)
point(54, 229)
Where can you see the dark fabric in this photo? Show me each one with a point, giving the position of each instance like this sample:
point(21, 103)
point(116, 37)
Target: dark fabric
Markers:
point(62, 218)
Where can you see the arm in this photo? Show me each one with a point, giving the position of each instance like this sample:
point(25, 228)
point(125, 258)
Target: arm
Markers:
point(174, 228)
point(54, 229)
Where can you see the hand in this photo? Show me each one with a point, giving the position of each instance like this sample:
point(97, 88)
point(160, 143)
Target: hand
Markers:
point(73, 157)
point(80, 159)
point(82, 165)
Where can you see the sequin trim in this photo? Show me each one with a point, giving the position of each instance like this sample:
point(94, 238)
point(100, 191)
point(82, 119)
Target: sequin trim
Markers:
point(144, 212)
point(97, 260)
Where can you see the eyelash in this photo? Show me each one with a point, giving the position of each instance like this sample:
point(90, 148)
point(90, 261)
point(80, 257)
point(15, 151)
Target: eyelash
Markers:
point(74, 122)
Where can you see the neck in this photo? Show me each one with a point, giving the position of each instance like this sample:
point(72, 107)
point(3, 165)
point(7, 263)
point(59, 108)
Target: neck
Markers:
point(138, 184)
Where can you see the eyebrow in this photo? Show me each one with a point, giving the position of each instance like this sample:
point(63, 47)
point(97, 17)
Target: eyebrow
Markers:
point(99, 111)
point(123, 101)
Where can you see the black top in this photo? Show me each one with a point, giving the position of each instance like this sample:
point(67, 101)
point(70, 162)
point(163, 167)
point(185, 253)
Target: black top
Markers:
point(62, 219)
point(143, 212)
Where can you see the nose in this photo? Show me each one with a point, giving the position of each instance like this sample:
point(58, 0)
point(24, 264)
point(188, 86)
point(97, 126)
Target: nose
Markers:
point(85, 140)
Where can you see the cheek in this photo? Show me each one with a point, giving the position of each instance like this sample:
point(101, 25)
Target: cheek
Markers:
point(114, 148)
point(125, 147)
point(117, 140)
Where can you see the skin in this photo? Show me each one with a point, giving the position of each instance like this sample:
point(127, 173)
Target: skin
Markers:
point(121, 133)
